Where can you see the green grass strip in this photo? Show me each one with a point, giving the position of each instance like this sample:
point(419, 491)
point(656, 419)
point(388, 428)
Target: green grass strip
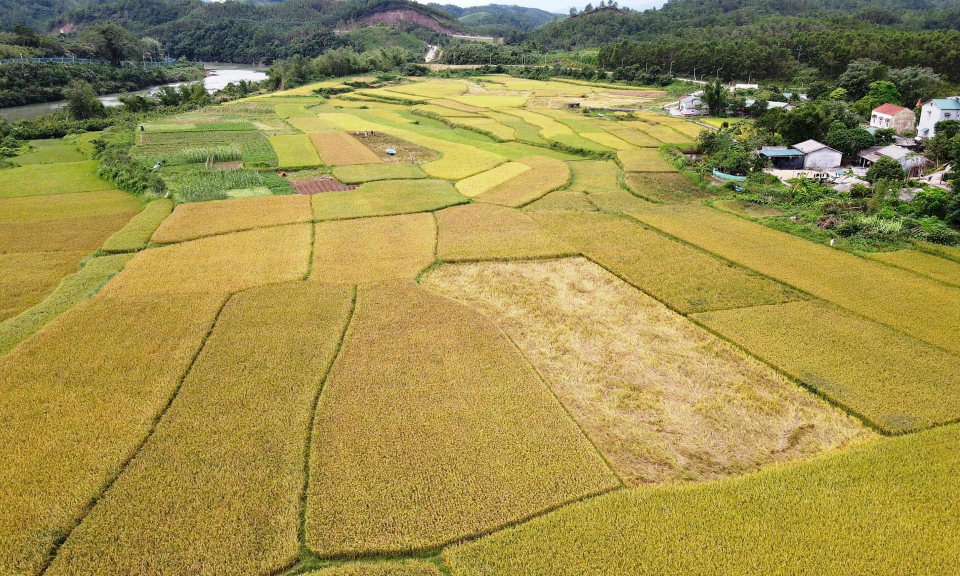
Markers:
point(135, 235)
point(71, 291)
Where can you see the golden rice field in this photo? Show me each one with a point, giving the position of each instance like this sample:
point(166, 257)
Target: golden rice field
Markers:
point(196, 220)
point(685, 279)
point(340, 148)
point(371, 250)
point(922, 307)
point(253, 384)
point(489, 232)
point(544, 175)
point(924, 264)
point(481, 444)
point(522, 345)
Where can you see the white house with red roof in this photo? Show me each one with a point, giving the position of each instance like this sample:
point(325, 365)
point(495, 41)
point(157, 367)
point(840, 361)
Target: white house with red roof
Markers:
point(893, 117)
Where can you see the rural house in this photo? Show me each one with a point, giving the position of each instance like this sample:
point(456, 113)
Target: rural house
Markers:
point(818, 156)
point(783, 158)
point(692, 105)
point(891, 116)
point(937, 110)
point(912, 163)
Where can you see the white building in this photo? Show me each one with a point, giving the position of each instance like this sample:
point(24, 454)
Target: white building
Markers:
point(692, 105)
point(819, 156)
point(937, 110)
point(893, 117)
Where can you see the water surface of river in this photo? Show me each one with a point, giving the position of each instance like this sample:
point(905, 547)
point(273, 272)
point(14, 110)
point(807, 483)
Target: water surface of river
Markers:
point(218, 76)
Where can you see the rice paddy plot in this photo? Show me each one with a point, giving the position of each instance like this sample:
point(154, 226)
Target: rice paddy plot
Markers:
point(433, 88)
point(458, 161)
point(360, 173)
point(39, 208)
point(444, 112)
point(450, 433)
point(220, 264)
point(663, 399)
point(522, 130)
point(226, 461)
point(644, 160)
point(684, 278)
point(688, 129)
point(924, 264)
point(137, 232)
point(948, 252)
point(289, 111)
point(593, 176)
point(52, 151)
point(78, 398)
point(25, 278)
point(192, 221)
point(383, 568)
point(71, 291)
point(368, 250)
point(385, 198)
point(295, 151)
point(665, 187)
point(898, 383)
point(83, 233)
point(633, 136)
point(608, 140)
point(562, 201)
point(488, 232)
point(492, 102)
point(922, 308)
point(545, 175)
point(883, 508)
point(340, 148)
point(487, 126)
point(480, 183)
point(617, 201)
point(41, 179)
point(253, 145)
point(659, 131)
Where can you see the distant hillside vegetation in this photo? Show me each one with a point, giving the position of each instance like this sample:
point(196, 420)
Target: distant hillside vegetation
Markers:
point(246, 31)
point(499, 15)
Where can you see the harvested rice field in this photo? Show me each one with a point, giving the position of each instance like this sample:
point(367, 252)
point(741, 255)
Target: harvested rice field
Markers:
point(464, 326)
point(664, 400)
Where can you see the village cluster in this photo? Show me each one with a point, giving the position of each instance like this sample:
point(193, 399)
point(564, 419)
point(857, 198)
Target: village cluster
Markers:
point(819, 161)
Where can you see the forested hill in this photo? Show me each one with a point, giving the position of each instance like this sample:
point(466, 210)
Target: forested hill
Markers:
point(766, 38)
point(519, 17)
point(255, 32)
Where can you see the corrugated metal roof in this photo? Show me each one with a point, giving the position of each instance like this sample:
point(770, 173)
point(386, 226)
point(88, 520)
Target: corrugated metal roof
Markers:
point(811, 146)
point(889, 109)
point(947, 103)
point(781, 153)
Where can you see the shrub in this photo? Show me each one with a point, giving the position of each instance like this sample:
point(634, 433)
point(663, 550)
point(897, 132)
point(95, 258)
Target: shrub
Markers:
point(886, 169)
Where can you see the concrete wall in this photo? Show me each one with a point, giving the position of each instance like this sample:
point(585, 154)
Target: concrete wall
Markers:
point(822, 159)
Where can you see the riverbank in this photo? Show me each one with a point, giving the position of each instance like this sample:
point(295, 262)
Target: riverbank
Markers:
point(217, 75)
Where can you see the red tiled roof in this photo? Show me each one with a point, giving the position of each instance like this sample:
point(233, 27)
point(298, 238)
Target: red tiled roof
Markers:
point(889, 109)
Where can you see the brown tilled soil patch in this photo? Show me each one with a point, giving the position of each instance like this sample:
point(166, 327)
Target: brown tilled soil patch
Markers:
point(406, 151)
point(228, 165)
point(320, 185)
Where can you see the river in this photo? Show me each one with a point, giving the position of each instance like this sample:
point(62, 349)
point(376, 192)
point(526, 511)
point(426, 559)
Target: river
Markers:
point(218, 76)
